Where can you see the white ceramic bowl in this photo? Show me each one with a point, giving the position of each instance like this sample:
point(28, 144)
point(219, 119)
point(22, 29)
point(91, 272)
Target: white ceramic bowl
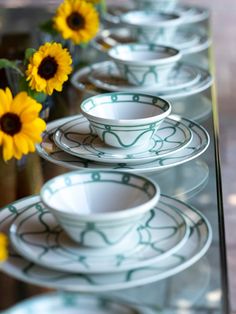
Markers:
point(157, 5)
point(152, 27)
point(144, 64)
point(99, 209)
point(125, 119)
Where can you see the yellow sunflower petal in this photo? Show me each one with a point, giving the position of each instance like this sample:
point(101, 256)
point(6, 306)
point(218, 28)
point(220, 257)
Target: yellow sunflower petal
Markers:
point(21, 143)
point(74, 11)
point(60, 61)
point(1, 137)
point(4, 102)
point(17, 153)
point(8, 151)
point(22, 128)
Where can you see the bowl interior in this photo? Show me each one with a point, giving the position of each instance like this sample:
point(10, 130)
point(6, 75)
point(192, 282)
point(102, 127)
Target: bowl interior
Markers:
point(124, 107)
point(125, 111)
point(142, 53)
point(148, 18)
point(97, 193)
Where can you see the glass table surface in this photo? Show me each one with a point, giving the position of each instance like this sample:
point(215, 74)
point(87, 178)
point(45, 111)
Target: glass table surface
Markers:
point(200, 288)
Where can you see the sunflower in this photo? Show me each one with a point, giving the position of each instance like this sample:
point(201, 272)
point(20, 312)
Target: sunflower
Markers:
point(77, 20)
point(3, 247)
point(49, 68)
point(20, 126)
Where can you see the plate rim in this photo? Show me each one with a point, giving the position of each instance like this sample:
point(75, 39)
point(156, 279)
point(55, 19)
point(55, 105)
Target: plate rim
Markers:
point(185, 230)
point(123, 285)
point(112, 160)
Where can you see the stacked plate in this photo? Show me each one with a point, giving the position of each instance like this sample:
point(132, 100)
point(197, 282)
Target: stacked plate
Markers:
point(190, 14)
point(187, 41)
point(183, 80)
point(170, 238)
point(71, 143)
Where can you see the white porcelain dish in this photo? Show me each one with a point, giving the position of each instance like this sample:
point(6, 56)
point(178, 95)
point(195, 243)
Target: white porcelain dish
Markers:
point(190, 14)
point(162, 232)
point(151, 27)
point(81, 81)
point(144, 64)
point(107, 77)
point(196, 246)
point(198, 145)
point(75, 137)
point(69, 303)
point(187, 41)
point(99, 209)
point(125, 120)
point(157, 5)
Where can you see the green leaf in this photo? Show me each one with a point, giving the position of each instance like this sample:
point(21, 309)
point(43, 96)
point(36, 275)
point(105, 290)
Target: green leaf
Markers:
point(29, 53)
point(39, 97)
point(4, 63)
point(24, 86)
point(103, 6)
point(47, 27)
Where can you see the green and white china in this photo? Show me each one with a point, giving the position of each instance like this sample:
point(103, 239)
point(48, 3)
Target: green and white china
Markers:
point(156, 5)
point(105, 75)
point(81, 81)
point(196, 246)
point(36, 235)
point(187, 41)
point(100, 209)
point(152, 27)
point(125, 119)
point(144, 64)
point(189, 14)
point(49, 151)
point(70, 303)
point(75, 137)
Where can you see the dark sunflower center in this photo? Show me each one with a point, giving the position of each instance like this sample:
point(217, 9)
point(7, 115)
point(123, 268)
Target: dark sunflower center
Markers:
point(10, 123)
point(47, 68)
point(75, 21)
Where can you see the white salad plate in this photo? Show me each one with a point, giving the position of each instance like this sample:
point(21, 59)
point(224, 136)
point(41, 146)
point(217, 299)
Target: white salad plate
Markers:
point(187, 41)
point(190, 14)
point(76, 138)
point(105, 75)
point(197, 146)
point(196, 246)
point(36, 235)
point(70, 303)
point(82, 82)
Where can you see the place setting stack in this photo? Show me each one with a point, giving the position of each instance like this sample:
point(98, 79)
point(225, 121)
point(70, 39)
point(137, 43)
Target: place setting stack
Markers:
point(108, 225)
point(175, 27)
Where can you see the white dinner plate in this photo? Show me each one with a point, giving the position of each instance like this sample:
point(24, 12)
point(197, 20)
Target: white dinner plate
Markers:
point(105, 75)
point(196, 246)
point(71, 303)
point(36, 235)
point(197, 146)
point(190, 14)
point(81, 81)
point(76, 138)
point(187, 41)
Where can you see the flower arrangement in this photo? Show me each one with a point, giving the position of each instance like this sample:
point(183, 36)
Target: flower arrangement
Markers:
point(74, 24)
point(41, 72)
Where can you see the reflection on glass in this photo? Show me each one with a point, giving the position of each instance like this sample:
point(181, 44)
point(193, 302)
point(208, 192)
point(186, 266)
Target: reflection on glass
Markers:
point(183, 181)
